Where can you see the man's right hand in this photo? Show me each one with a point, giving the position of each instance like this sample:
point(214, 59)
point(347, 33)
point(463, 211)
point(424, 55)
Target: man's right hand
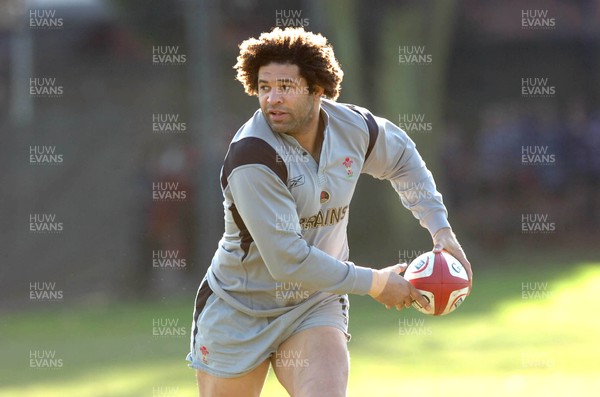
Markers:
point(391, 289)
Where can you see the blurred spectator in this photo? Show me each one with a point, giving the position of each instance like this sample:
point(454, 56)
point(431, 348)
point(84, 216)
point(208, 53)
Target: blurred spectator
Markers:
point(170, 218)
point(501, 185)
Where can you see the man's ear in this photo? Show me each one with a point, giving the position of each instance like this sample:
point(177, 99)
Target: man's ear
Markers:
point(318, 90)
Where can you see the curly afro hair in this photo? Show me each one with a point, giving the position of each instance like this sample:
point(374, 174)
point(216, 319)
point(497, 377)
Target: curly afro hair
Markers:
point(309, 51)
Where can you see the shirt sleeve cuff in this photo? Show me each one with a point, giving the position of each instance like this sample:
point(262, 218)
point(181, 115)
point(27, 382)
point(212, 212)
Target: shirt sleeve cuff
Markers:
point(364, 277)
point(435, 221)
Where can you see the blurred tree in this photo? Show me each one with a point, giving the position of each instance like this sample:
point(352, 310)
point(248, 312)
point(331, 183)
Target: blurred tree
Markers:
point(344, 36)
point(202, 18)
point(400, 89)
point(158, 22)
point(415, 89)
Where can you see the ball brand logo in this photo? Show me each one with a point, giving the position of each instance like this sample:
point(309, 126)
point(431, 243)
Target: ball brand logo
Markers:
point(456, 267)
point(458, 302)
point(421, 265)
point(348, 165)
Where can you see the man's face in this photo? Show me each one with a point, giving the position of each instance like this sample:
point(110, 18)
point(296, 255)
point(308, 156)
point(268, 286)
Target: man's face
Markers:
point(284, 98)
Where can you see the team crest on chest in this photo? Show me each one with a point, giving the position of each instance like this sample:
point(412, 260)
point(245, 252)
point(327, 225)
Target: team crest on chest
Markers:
point(325, 196)
point(348, 164)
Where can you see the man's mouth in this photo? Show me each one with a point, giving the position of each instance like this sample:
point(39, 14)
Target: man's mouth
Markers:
point(277, 115)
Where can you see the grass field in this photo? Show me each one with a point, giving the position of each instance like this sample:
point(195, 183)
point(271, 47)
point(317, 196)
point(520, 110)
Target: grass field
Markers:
point(528, 329)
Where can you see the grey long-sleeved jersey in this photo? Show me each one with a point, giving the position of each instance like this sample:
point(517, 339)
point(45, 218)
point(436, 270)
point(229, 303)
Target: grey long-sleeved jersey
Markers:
point(286, 216)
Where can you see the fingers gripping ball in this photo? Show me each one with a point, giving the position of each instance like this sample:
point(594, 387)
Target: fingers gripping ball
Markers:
point(441, 279)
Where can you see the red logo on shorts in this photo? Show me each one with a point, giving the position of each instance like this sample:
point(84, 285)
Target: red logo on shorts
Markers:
point(204, 352)
point(348, 165)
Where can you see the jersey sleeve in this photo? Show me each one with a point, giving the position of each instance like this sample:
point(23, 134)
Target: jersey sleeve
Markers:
point(394, 157)
point(269, 212)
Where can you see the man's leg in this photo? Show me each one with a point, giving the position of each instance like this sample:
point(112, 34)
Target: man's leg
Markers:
point(313, 363)
point(249, 384)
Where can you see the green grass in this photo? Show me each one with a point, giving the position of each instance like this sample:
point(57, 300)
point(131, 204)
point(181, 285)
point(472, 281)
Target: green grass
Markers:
point(496, 344)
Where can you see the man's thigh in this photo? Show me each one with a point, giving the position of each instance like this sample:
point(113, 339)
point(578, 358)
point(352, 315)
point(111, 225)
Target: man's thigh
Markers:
point(249, 384)
point(313, 362)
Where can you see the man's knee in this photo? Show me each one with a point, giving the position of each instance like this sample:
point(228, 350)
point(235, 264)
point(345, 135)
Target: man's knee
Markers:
point(333, 384)
point(249, 384)
point(321, 367)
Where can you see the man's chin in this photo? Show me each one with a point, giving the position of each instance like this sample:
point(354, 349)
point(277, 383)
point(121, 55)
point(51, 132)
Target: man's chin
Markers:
point(279, 128)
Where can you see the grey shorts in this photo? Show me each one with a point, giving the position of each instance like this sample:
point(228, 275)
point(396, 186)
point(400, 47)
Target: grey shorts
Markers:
point(228, 343)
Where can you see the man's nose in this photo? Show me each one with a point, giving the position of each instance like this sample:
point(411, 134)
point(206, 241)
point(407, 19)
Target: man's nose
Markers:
point(274, 96)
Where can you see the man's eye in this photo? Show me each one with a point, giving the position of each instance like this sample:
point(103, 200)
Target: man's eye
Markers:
point(285, 88)
point(264, 88)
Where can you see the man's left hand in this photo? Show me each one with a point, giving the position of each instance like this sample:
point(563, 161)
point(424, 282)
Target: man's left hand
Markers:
point(445, 239)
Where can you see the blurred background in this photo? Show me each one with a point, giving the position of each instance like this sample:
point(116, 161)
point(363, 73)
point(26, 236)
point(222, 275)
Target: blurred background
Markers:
point(116, 116)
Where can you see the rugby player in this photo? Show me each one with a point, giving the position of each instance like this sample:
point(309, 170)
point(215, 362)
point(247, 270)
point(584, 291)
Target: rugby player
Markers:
point(276, 291)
